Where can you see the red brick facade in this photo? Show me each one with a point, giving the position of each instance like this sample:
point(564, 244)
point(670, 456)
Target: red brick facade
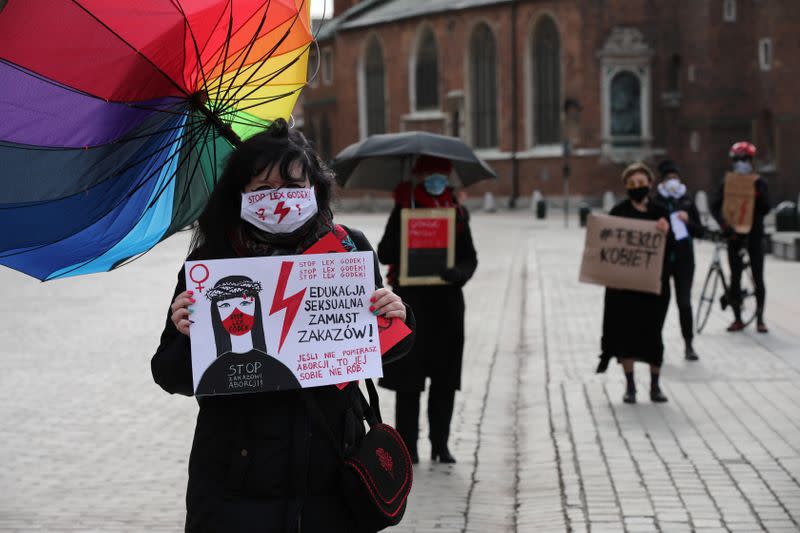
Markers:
point(707, 87)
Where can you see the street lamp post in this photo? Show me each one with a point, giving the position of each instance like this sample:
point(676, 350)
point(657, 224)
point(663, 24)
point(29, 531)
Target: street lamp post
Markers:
point(567, 145)
point(570, 132)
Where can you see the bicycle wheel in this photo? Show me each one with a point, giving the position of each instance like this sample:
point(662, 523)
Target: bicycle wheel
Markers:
point(707, 297)
point(748, 296)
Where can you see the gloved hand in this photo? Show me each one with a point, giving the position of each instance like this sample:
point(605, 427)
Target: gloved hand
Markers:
point(727, 232)
point(454, 276)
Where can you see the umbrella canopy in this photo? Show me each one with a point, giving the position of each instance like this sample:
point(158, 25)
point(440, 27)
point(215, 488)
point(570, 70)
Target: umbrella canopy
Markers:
point(117, 116)
point(383, 161)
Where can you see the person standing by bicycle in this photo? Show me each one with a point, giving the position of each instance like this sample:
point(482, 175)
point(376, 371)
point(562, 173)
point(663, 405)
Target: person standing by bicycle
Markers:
point(671, 195)
point(742, 154)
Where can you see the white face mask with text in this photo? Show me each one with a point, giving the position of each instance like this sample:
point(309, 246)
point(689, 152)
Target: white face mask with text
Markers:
point(279, 210)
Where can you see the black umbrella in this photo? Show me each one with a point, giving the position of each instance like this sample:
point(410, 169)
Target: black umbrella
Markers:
point(383, 161)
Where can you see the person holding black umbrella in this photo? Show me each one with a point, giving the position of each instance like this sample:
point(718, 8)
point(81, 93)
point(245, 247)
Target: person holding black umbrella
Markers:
point(438, 350)
point(671, 195)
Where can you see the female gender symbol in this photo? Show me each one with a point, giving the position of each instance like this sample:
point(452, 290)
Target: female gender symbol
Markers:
point(199, 282)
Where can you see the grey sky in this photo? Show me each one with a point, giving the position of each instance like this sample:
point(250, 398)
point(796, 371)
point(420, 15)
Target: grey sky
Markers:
point(320, 6)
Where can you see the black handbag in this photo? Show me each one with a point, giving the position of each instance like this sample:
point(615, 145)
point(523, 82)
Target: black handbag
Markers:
point(377, 474)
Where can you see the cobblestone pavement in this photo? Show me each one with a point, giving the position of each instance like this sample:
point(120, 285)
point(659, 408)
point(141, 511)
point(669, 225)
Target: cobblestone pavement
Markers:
point(90, 443)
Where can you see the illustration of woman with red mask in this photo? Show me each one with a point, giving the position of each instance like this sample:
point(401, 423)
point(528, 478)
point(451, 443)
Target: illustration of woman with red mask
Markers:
point(242, 363)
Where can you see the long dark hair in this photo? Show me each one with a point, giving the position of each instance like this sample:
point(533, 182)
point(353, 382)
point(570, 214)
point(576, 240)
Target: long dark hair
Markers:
point(276, 146)
point(233, 287)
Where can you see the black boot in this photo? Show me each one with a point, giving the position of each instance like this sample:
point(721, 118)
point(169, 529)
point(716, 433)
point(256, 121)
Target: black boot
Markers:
point(630, 389)
point(414, 456)
point(442, 454)
point(656, 395)
point(691, 355)
point(407, 421)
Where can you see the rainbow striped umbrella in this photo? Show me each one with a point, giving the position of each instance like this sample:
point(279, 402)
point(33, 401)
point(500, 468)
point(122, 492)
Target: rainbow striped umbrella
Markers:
point(116, 117)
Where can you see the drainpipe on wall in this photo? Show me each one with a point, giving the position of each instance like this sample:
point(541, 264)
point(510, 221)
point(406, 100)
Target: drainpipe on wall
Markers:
point(512, 203)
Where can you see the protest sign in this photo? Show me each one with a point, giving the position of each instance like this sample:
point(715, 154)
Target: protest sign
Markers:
point(275, 323)
point(738, 201)
point(679, 228)
point(390, 330)
point(427, 245)
point(623, 253)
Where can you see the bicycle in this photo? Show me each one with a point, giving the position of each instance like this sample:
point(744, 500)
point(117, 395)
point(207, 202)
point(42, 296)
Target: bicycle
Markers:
point(716, 277)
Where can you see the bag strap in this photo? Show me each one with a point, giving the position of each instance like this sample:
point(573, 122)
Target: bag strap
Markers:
point(370, 411)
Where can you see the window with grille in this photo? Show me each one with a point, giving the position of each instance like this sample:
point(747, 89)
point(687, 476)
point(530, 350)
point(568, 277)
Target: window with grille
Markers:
point(674, 74)
point(327, 66)
point(311, 132)
point(626, 108)
point(325, 139)
point(483, 87)
point(765, 54)
point(547, 83)
point(313, 64)
point(426, 73)
point(729, 11)
point(375, 89)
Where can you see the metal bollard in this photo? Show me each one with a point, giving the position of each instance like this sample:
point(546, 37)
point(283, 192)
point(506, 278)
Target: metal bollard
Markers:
point(538, 203)
point(608, 201)
point(489, 205)
point(583, 213)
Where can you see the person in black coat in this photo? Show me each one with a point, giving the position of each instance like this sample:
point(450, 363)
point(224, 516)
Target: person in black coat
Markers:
point(438, 351)
point(671, 195)
point(742, 154)
point(259, 463)
point(633, 320)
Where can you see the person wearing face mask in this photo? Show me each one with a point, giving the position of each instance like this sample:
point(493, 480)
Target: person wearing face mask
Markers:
point(259, 461)
point(438, 351)
point(633, 320)
point(671, 195)
point(742, 154)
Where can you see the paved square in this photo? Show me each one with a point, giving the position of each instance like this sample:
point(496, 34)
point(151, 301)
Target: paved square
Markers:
point(90, 443)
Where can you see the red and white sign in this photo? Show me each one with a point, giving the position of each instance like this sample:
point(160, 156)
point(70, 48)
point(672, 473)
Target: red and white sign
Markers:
point(272, 323)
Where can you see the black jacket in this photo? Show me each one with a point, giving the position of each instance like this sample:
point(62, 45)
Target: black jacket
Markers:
point(439, 347)
point(258, 463)
point(684, 249)
point(762, 207)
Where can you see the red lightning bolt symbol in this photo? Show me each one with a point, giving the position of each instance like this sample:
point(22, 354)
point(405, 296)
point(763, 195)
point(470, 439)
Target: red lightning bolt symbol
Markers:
point(291, 304)
point(282, 211)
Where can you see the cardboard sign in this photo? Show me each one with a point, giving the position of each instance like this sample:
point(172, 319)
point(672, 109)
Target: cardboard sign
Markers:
point(739, 200)
point(623, 253)
point(276, 323)
point(390, 330)
point(427, 245)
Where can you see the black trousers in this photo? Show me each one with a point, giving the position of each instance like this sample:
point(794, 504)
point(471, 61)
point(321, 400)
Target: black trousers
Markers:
point(755, 251)
point(682, 277)
point(440, 412)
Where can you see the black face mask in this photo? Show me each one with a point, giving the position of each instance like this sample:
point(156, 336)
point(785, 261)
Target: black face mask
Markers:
point(638, 194)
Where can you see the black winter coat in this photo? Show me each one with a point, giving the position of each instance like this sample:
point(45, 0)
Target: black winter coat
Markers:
point(633, 320)
point(258, 463)
point(439, 346)
point(684, 249)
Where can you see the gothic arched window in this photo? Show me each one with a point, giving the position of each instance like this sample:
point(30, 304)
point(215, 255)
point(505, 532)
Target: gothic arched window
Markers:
point(375, 88)
point(547, 83)
point(426, 72)
point(483, 87)
point(325, 139)
point(310, 132)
